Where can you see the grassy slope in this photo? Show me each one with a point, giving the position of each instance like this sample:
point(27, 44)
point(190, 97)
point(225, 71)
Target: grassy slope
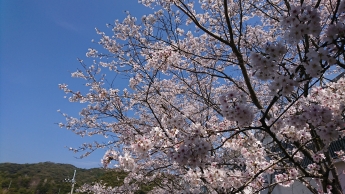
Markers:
point(47, 177)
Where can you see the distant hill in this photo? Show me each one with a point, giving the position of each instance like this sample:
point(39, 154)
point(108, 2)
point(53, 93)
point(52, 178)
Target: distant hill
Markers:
point(47, 178)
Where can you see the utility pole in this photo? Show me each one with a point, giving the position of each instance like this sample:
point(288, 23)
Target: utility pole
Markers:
point(9, 186)
point(72, 181)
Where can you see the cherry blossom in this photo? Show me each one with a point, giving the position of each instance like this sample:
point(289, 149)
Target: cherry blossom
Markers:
point(221, 96)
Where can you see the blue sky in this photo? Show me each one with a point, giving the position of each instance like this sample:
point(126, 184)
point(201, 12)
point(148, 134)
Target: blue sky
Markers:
point(40, 41)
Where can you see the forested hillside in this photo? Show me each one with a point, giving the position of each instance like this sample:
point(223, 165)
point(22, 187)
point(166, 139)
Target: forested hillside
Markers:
point(48, 177)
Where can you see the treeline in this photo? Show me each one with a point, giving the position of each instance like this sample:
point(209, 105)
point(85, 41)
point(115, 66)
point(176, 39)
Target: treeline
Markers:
point(48, 178)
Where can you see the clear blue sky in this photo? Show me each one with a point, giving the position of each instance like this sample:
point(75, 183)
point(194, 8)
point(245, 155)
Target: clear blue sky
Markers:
point(39, 43)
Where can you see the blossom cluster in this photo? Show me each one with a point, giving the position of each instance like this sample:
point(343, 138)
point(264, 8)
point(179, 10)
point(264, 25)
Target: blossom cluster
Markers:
point(283, 84)
point(102, 188)
point(313, 66)
point(266, 65)
point(191, 152)
point(127, 162)
point(335, 31)
point(301, 20)
point(287, 179)
point(162, 59)
point(315, 116)
point(233, 108)
point(142, 145)
point(175, 122)
point(313, 168)
point(192, 148)
point(108, 157)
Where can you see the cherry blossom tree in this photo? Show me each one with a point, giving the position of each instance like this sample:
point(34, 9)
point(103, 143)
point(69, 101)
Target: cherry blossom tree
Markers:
point(224, 96)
